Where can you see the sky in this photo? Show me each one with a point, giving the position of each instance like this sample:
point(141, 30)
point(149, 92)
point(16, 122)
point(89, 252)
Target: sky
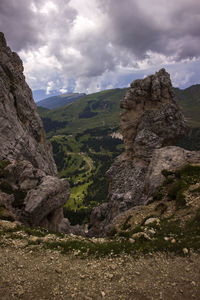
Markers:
point(92, 45)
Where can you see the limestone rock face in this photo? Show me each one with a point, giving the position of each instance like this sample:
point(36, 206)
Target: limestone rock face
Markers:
point(151, 123)
point(152, 117)
point(21, 132)
point(168, 158)
point(29, 187)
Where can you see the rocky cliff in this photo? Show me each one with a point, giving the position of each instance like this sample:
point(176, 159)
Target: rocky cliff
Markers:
point(152, 117)
point(29, 187)
point(151, 124)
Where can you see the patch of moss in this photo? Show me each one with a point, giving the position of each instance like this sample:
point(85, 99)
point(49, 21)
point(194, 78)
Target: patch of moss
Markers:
point(5, 214)
point(194, 222)
point(161, 207)
point(186, 236)
point(88, 248)
point(189, 173)
point(39, 232)
point(148, 217)
point(112, 232)
point(174, 189)
point(166, 173)
point(158, 194)
point(196, 191)
point(3, 164)
point(6, 188)
point(180, 199)
point(129, 233)
point(126, 224)
point(176, 183)
point(168, 180)
point(3, 172)
point(185, 177)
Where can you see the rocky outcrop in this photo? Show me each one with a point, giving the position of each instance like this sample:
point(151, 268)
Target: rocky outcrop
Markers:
point(22, 134)
point(168, 158)
point(151, 123)
point(152, 117)
point(28, 183)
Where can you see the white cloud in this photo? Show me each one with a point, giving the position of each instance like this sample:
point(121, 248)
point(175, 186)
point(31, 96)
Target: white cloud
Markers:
point(63, 90)
point(96, 44)
point(48, 8)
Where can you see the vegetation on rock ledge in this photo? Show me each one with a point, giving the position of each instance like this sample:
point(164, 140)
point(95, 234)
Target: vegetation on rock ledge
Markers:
point(176, 183)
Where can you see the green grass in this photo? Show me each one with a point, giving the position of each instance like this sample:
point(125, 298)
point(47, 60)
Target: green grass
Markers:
point(176, 183)
point(89, 120)
point(189, 100)
point(107, 115)
point(186, 235)
point(126, 224)
point(83, 160)
point(106, 106)
point(5, 214)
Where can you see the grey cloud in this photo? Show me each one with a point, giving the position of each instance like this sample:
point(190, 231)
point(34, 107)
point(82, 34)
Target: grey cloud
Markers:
point(129, 28)
point(24, 28)
point(128, 31)
point(18, 24)
point(136, 28)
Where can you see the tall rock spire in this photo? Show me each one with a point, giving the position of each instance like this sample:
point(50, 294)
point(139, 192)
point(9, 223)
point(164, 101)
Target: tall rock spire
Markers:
point(152, 117)
point(151, 123)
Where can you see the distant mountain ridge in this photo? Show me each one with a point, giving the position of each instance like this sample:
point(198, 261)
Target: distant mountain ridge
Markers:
point(42, 94)
point(190, 101)
point(59, 100)
point(81, 135)
point(103, 109)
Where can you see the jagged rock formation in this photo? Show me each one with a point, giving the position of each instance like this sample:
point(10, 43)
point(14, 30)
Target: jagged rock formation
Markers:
point(28, 183)
point(152, 117)
point(151, 123)
point(22, 134)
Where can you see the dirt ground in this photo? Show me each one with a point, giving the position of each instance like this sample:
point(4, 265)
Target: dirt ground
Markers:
point(45, 274)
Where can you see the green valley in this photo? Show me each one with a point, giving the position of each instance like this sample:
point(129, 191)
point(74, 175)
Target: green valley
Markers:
point(84, 147)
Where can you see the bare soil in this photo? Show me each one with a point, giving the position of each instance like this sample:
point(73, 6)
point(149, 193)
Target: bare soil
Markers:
point(30, 273)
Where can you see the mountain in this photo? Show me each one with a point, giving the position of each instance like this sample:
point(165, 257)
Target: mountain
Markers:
point(42, 94)
point(30, 192)
point(141, 257)
point(92, 111)
point(190, 102)
point(82, 137)
point(102, 109)
point(151, 123)
point(83, 147)
point(59, 100)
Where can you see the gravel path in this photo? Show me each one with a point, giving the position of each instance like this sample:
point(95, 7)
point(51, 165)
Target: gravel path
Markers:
point(27, 274)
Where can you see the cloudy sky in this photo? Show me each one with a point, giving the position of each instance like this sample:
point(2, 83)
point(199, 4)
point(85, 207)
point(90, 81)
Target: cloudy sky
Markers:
point(90, 45)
